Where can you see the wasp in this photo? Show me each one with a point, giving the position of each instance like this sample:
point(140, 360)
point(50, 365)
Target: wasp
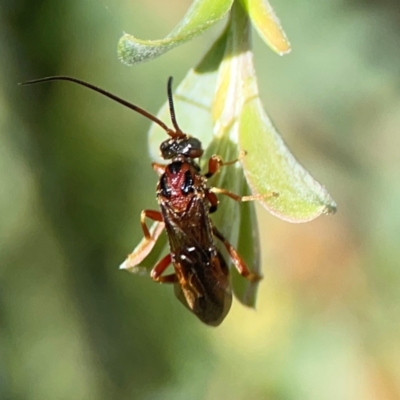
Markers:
point(201, 275)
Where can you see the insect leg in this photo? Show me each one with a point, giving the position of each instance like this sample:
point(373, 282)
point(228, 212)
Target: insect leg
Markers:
point(236, 259)
point(159, 168)
point(152, 214)
point(243, 198)
point(149, 240)
point(213, 199)
point(215, 163)
point(160, 267)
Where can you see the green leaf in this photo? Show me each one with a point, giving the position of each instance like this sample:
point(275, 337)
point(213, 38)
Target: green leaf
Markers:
point(200, 16)
point(248, 247)
point(269, 165)
point(236, 220)
point(267, 25)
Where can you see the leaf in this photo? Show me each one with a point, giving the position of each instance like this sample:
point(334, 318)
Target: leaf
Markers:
point(269, 165)
point(248, 247)
point(267, 25)
point(200, 16)
point(236, 220)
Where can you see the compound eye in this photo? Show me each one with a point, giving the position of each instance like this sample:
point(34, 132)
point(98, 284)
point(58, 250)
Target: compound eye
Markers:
point(195, 153)
point(194, 143)
point(194, 148)
point(165, 189)
point(187, 186)
point(167, 149)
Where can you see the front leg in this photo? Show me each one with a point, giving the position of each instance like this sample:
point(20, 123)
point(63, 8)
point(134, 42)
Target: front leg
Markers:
point(159, 168)
point(215, 163)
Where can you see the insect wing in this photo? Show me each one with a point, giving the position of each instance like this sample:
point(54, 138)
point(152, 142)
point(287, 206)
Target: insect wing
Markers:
point(203, 276)
point(213, 301)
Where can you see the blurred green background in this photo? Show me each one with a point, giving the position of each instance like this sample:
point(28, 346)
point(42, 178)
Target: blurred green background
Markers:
point(75, 174)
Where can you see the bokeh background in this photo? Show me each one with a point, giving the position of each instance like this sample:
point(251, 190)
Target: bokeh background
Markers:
point(75, 174)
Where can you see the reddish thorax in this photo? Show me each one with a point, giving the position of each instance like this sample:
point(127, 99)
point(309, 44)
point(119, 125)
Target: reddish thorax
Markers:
point(177, 185)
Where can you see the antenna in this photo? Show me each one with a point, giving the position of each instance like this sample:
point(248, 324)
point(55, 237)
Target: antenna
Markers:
point(178, 132)
point(125, 103)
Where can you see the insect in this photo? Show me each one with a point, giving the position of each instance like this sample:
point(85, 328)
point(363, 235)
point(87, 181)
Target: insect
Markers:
point(201, 275)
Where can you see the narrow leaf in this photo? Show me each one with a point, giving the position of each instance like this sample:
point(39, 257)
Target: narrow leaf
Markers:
point(147, 257)
point(142, 250)
point(248, 247)
point(267, 25)
point(201, 15)
point(269, 165)
point(236, 220)
point(233, 219)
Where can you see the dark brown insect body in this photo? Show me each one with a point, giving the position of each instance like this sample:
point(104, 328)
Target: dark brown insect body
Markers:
point(201, 276)
point(200, 271)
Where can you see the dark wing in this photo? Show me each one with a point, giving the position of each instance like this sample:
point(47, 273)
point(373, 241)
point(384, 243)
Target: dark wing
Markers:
point(207, 295)
point(202, 273)
point(188, 229)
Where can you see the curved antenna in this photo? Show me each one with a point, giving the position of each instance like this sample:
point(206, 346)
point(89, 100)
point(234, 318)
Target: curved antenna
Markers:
point(125, 103)
point(178, 132)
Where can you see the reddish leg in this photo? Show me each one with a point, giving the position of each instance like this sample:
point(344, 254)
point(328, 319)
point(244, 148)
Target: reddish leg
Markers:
point(149, 240)
point(213, 199)
point(243, 198)
point(159, 269)
point(152, 214)
point(215, 163)
point(236, 259)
